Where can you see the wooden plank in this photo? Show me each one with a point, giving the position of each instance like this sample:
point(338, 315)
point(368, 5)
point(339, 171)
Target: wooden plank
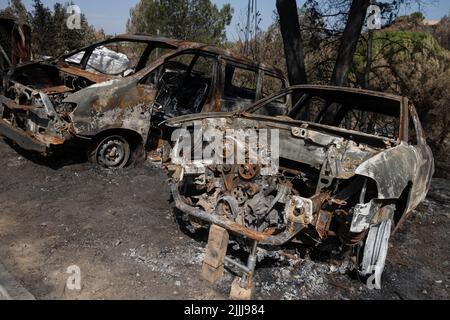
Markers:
point(211, 274)
point(239, 293)
point(216, 250)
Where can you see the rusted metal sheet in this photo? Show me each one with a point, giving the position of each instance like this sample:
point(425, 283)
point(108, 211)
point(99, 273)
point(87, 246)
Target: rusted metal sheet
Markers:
point(21, 138)
point(323, 223)
point(12, 105)
point(57, 89)
point(49, 139)
point(96, 78)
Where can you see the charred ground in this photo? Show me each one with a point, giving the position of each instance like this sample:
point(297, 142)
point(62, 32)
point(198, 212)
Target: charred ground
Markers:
point(118, 227)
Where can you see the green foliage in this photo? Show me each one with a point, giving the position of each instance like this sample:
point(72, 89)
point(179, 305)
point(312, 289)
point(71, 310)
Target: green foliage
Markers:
point(51, 37)
point(413, 64)
point(15, 10)
point(196, 20)
point(409, 59)
point(414, 19)
point(417, 16)
point(401, 43)
point(442, 32)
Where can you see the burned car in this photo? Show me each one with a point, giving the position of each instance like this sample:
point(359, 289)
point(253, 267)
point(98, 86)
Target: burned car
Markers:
point(113, 94)
point(345, 163)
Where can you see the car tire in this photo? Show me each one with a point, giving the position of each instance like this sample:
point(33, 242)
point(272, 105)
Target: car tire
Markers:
point(111, 152)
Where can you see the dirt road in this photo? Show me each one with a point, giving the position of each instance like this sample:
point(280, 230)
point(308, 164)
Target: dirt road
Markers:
point(118, 228)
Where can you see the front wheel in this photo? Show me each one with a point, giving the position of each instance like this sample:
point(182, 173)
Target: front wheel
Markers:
point(112, 152)
point(374, 257)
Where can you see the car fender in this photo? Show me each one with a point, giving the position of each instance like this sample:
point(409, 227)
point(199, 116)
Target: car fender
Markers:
point(392, 170)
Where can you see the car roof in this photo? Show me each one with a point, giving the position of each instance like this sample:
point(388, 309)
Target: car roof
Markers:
point(372, 100)
point(211, 49)
point(349, 91)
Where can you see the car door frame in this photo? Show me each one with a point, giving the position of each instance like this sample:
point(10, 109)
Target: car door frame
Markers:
point(209, 103)
point(424, 157)
point(88, 50)
point(259, 74)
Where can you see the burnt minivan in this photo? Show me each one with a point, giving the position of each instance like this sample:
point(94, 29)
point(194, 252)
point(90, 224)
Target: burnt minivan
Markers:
point(115, 93)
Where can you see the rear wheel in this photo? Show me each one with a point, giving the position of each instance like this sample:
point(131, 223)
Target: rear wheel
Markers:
point(113, 152)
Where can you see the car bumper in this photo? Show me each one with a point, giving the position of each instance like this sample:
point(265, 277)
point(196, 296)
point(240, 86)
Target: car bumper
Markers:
point(21, 138)
point(262, 238)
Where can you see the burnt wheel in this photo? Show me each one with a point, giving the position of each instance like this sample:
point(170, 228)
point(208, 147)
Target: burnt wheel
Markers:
point(375, 253)
point(113, 152)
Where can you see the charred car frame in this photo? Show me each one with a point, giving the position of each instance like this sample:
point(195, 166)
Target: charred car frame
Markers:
point(353, 163)
point(114, 94)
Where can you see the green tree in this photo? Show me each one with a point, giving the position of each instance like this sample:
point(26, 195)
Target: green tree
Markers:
point(51, 37)
point(42, 27)
point(196, 20)
point(413, 64)
point(15, 10)
point(70, 39)
point(442, 32)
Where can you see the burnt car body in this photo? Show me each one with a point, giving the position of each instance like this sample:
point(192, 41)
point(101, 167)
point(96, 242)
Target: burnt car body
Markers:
point(116, 92)
point(352, 163)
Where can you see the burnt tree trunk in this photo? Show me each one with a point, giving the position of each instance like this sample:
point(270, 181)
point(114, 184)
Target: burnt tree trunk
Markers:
point(292, 39)
point(369, 58)
point(352, 32)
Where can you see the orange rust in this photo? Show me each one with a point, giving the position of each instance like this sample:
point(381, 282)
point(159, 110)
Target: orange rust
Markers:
point(229, 180)
point(49, 139)
point(57, 89)
point(255, 235)
point(14, 106)
point(323, 223)
point(146, 94)
point(96, 78)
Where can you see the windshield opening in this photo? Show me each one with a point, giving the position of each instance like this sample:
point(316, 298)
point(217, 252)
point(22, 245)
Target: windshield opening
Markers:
point(359, 112)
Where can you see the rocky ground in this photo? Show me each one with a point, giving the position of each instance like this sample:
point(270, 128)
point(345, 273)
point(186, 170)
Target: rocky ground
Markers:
point(119, 229)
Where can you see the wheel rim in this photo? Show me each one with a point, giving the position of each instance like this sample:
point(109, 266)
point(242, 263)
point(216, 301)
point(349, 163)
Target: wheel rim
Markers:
point(375, 253)
point(113, 152)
